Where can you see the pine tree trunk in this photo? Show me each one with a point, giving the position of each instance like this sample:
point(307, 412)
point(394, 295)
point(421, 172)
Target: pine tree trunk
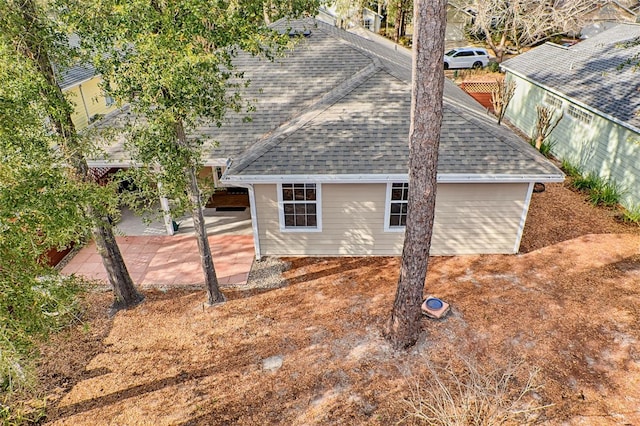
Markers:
point(214, 295)
point(125, 292)
point(424, 139)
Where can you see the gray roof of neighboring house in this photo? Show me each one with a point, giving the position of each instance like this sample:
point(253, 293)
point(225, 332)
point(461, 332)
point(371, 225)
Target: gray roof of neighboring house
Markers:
point(589, 72)
point(339, 104)
point(75, 75)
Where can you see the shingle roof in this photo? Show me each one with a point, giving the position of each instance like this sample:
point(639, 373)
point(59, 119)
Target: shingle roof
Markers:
point(339, 104)
point(589, 72)
point(76, 74)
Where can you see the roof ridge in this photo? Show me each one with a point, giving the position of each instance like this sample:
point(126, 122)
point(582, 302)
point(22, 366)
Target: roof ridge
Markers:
point(268, 141)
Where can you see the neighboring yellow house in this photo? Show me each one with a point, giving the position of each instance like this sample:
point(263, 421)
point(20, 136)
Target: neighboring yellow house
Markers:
point(82, 85)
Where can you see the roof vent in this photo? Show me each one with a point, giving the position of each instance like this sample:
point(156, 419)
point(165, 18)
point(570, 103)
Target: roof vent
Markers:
point(300, 33)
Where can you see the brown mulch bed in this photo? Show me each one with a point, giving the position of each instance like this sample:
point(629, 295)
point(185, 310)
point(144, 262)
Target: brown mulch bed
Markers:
point(568, 308)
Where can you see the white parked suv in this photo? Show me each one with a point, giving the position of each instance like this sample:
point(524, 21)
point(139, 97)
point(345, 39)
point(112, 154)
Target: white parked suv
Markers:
point(466, 57)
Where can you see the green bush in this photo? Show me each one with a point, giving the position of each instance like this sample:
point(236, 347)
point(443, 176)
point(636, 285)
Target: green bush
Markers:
point(493, 66)
point(605, 194)
point(631, 215)
point(31, 309)
point(571, 169)
point(588, 182)
point(546, 146)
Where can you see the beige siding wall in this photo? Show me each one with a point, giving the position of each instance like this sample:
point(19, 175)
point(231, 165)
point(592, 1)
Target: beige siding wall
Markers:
point(477, 218)
point(88, 100)
point(470, 218)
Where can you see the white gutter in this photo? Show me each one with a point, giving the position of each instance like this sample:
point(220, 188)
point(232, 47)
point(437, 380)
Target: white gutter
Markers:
point(574, 101)
point(239, 180)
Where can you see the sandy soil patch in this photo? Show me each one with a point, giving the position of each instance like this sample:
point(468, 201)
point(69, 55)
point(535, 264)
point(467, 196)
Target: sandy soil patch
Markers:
point(568, 307)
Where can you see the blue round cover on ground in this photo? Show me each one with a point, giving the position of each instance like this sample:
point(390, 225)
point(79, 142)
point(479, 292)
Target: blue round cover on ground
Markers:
point(434, 303)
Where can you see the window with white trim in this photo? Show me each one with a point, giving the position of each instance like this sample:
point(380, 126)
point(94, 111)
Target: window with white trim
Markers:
point(552, 100)
point(396, 208)
point(299, 206)
point(579, 114)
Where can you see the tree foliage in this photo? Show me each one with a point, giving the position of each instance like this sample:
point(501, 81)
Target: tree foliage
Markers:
point(509, 26)
point(40, 209)
point(31, 29)
point(173, 65)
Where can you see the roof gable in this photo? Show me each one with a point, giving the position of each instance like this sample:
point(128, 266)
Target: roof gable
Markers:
point(360, 124)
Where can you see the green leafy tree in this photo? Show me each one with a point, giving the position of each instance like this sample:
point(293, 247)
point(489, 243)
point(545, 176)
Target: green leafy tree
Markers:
point(30, 28)
point(173, 65)
point(40, 209)
point(424, 140)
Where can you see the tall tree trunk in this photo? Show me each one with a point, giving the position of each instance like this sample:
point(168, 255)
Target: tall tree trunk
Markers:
point(214, 294)
point(125, 292)
point(397, 33)
point(424, 139)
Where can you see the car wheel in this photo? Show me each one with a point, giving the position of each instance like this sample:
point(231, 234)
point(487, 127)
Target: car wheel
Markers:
point(446, 66)
point(477, 64)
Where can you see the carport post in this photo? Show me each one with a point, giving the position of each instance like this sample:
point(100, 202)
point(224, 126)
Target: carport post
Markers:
point(164, 204)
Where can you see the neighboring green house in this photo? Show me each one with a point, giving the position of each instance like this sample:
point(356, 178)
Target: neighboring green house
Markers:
point(595, 83)
point(81, 84)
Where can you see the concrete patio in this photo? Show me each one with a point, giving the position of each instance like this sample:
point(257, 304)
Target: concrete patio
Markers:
point(161, 261)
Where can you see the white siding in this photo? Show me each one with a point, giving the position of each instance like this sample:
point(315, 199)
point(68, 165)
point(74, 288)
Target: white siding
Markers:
point(470, 219)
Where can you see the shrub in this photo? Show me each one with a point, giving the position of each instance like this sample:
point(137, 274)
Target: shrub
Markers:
point(587, 182)
point(631, 215)
point(605, 194)
point(31, 309)
point(493, 67)
point(546, 147)
point(571, 169)
point(473, 396)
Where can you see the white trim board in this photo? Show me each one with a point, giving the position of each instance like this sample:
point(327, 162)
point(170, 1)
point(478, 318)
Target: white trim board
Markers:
point(385, 178)
point(318, 203)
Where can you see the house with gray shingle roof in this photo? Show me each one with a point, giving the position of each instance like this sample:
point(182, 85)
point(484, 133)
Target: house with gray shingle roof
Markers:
point(595, 85)
point(325, 155)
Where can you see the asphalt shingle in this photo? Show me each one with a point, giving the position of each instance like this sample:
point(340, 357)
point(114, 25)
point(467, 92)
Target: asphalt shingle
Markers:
point(598, 72)
point(352, 116)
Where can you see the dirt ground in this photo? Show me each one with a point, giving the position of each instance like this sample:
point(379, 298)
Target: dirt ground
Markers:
point(568, 307)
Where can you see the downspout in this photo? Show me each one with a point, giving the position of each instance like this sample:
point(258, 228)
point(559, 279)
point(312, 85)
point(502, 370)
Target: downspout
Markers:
point(254, 221)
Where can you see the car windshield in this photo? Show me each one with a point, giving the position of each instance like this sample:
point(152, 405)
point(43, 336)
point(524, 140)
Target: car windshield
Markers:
point(451, 52)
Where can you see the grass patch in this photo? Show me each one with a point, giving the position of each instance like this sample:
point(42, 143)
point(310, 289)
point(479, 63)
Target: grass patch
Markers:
point(587, 182)
point(571, 169)
point(546, 147)
point(605, 194)
point(470, 395)
point(600, 192)
point(631, 215)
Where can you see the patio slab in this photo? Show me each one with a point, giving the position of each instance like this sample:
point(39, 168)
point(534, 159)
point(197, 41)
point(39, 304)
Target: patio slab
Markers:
point(170, 261)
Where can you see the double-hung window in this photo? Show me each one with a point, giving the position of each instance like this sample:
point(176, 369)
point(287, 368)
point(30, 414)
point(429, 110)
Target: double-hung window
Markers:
point(299, 207)
point(396, 206)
